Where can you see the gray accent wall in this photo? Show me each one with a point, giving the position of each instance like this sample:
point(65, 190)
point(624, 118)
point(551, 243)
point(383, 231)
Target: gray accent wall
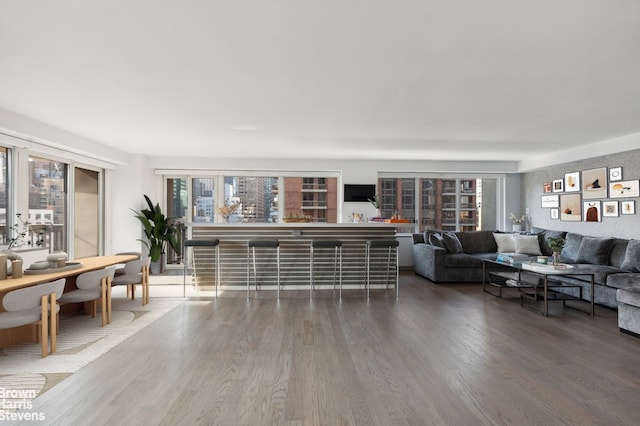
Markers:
point(624, 226)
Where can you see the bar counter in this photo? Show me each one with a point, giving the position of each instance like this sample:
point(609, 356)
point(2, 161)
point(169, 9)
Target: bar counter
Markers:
point(295, 239)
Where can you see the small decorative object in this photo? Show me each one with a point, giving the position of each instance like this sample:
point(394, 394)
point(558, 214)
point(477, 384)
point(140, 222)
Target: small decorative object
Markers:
point(542, 260)
point(517, 222)
point(298, 217)
point(628, 207)
point(375, 202)
point(57, 259)
point(615, 174)
point(572, 182)
point(556, 244)
point(16, 268)
point(227, 210)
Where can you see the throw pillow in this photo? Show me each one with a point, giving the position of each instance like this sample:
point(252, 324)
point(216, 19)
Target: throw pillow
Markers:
point(570, 251)
point(435, 239)
point(594, 250)
point(527, 244)
point(632, 257)
point(506, 243)
point(452, 243)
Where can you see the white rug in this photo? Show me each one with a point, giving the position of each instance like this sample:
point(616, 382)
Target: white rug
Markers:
point(81, 340)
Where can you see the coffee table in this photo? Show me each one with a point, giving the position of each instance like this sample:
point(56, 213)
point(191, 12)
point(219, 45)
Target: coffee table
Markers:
point(535, 282)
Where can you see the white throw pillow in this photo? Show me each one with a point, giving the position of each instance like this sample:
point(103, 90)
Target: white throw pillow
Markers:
point(506, 243)
point(528, 244)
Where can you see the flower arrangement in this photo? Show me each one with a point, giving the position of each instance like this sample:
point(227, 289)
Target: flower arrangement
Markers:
point(375, 201)
point(556, 244)
point(517, 220)
point(19, 231)
point(226, 211)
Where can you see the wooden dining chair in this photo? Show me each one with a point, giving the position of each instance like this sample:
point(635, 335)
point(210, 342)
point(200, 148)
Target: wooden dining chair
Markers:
point(135, 273)
point(93, 286)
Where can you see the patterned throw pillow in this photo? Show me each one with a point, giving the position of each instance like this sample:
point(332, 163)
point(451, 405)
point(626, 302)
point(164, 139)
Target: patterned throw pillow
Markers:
point(632, 257)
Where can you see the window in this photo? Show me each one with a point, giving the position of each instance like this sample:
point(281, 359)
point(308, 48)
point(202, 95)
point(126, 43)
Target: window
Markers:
point(255, 198)
point(313, 197)
point(203, 200)
point(438, 202)
point(4, 195)
point(48, 196)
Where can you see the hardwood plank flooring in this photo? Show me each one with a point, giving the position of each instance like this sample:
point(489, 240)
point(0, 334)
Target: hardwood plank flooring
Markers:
point(440, 354)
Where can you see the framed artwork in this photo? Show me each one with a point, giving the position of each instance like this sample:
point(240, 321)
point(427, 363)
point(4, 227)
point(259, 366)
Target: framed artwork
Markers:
point(610, 209)
point(615, 174)
point(594, 183)
point(548, 201)
point(554, 214)
point(571, 207)
point(546, 187)
point(572, 182)
point(592, 211)
point(624, 189)
point(558, 185)
point(628, 207)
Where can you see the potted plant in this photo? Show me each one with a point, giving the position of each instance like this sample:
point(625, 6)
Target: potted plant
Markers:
point(159, 231)
point(556, 244)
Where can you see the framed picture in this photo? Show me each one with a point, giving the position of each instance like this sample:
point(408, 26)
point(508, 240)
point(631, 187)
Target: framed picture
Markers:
point(628, 207)
point(594, 183)
point(572, 182)
point(624, 189)
point(615, 174)
point(548, 201)
point(592, 211)
point(558, 185)
point(546, 187)
point(570, 207)
point(554, 213)
point(610, 209)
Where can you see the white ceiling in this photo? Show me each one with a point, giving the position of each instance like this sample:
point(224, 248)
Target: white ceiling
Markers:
point(369, 79)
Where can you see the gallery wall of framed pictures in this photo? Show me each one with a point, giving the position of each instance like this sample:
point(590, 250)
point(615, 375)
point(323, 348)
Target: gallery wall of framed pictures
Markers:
point(589, 195)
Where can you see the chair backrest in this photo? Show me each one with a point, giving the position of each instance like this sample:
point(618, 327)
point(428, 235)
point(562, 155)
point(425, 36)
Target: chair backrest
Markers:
point(29, 297)
point(135, 266)
point(92, 279)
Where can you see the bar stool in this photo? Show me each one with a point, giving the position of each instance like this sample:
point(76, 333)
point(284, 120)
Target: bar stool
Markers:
point(336, 245)
point(251, 256)
point(201, 243)
point(389, 244)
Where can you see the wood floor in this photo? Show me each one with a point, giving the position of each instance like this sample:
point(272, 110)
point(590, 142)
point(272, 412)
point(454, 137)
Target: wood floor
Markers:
point(440, 354)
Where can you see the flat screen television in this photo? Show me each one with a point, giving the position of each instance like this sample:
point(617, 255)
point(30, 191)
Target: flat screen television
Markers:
point(359, 193)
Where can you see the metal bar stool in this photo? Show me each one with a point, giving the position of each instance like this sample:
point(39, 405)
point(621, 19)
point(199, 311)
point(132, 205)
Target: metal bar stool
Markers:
point(389, 244)
point(251, 256)
point(336, 245)
point(201, 243)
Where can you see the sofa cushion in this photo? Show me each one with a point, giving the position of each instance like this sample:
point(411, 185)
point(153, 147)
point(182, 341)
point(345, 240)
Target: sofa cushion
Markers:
point(624, 280)
point(505, 242)
point(632, 257)
point(527, 244)
point(618, 252)
point(600, 273)
point(462, 260)
point(477, 241)
point(569, 253)
point(594, 250)
point(451, 242)
point(435, 239)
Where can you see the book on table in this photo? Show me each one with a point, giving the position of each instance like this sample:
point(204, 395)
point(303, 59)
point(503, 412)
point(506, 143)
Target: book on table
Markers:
point(512, 258)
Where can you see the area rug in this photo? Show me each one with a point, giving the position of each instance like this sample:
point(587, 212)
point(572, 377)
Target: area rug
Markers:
point(81, 340)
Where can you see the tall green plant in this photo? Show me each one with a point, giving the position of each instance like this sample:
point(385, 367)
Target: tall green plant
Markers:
point(158, 229)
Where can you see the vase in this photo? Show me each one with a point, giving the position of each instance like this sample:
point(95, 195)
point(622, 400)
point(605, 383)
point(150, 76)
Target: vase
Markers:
point(556, 258)
point(517, 227)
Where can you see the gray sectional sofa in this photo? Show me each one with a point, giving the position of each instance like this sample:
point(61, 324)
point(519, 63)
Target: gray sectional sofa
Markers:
point(615, 262)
